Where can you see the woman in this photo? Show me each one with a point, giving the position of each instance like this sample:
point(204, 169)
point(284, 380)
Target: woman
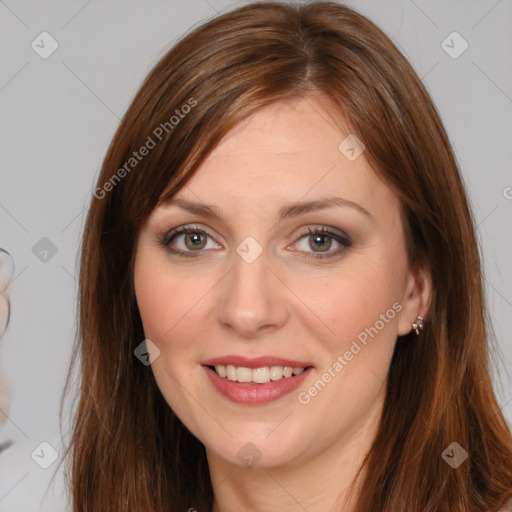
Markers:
point(227, 363)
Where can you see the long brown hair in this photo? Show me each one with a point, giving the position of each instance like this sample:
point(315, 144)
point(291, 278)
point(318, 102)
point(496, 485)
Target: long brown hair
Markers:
point(129, 450)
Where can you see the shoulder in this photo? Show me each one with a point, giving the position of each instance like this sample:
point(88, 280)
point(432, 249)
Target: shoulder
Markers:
point(31, 478)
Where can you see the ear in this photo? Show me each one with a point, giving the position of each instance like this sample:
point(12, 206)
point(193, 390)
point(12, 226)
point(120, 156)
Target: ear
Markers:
point(416, 298)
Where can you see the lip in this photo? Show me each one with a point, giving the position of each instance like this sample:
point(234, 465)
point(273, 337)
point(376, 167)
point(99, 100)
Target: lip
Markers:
point(255, 394)
point(255, 362)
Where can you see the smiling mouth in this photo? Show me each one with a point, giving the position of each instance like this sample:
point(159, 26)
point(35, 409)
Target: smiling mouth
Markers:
point(261, 375)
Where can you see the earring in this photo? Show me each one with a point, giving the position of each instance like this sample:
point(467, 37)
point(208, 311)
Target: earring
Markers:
point(418, 325)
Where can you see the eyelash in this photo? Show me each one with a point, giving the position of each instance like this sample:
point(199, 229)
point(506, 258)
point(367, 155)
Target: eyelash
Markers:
point(343, 240)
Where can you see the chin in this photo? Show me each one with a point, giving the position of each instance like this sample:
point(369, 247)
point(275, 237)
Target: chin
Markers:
point(258, 450)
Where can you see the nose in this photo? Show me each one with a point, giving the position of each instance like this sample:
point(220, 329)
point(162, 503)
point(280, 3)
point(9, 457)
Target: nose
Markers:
point(252, 299)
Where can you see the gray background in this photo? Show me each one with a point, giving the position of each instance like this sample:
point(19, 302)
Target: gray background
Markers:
point(59, 114)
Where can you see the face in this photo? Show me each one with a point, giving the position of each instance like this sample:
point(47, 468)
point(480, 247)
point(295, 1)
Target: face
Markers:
point(266, 288)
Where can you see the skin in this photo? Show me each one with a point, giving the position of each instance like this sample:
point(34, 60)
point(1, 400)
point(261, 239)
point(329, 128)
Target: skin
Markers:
point(281, 304)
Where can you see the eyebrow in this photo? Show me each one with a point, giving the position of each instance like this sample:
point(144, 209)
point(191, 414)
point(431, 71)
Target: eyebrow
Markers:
point(286, 212)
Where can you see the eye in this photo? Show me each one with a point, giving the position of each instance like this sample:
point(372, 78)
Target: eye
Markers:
point(320, 240)
point(189, 239)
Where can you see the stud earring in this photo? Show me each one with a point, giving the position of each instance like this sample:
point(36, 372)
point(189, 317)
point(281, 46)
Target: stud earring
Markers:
point(418, 325)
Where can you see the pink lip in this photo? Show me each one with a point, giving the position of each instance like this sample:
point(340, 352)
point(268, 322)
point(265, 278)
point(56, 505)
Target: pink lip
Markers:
point(255, 362)
point(254, 394)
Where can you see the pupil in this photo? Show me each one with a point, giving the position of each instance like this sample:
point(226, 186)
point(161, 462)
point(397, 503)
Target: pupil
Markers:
point(195, 240)
point(318, 242)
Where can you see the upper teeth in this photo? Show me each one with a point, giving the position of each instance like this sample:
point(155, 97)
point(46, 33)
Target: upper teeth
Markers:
point(258, 375)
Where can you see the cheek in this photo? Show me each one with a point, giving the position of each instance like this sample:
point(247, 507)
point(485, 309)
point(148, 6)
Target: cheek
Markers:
point(171, 306)
point(152, 300)
point(161, 299)
point(359, 309)
point(348, 306)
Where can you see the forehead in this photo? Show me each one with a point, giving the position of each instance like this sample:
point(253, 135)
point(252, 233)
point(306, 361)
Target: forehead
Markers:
point(287, 152)
point(285, 131)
